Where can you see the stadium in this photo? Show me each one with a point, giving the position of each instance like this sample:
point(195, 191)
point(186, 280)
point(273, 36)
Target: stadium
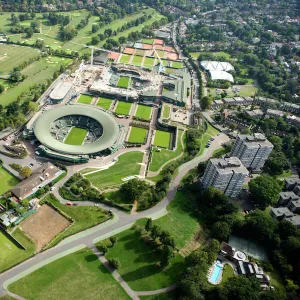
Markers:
point(76, 130)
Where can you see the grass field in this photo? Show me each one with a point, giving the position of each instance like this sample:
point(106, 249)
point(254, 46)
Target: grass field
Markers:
point(147, 41)
point(245, 91)
point(7, 181)
point(162, 139)
point(166, 111)
point(144, 112)
point(173, 295)
point(128, 164)
point(177, 65)
point(138, 262)
point(123, 82)
point(160, 158)
point(84, 217)
point(215, 54)
point(148, 62)
point(7, 246)
point(137, 135)
point(79, 275)
point(125, 58)
point(76, 136)
point(123, 108)
point(227, 273)
point(19, 254)
point(12, 56)
point(104, 102)
point(137, 60)
point(85, 99)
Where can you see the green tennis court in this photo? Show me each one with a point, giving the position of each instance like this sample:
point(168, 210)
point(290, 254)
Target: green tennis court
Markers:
point(123, 108)
point(162, 139)
point(137, 135)
point(7, 181)
point(123, 82)
point(125, 58)
point(76, 136)
point(143, 112)
point(137, 60)
point(7, 246)
point(85, 99)
point(104, 102)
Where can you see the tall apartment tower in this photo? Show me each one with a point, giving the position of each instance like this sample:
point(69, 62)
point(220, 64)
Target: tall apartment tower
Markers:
point(225, 174)
point(252, 150)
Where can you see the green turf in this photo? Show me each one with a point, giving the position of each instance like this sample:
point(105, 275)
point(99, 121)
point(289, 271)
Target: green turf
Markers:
point(79, 275)
point(177, 64)
point(125, 58)
point(160, 158)
point(144, 112)
point(128, 164)
point(137, 135)
point(19, 254)
point(123, 82)
point(7, 246)
point(147, 41)
point(227, 273)
point(123, 108)
point(215, 54)
point(139, 262)
point(162, 296)
point(162, 139)
point(85, 99)
point(104, 102)
point(76, 136)
point(166, 111)
point(149, 62)
point(7, 181)
point(137, 60)
point(161, 54)
point(140, 52)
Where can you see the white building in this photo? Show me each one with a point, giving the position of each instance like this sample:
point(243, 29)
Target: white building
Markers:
point(226, 174)
point(252, 150)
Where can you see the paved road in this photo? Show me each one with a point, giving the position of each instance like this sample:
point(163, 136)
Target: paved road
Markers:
point(120, 222)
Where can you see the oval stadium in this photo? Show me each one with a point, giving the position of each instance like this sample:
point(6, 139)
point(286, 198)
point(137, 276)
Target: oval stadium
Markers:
point(76, 130)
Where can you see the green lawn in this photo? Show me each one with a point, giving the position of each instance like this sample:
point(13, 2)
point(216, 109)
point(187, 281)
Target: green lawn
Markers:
point(123, 108)
point(125, 58)
point(148, 62)
point(123, 82)
point(7, 246)
point(137, 135)
point(85, 99)
point(143, 112)
point(137, 60)
point(84, 217)
point(104, 102)
point(138, 262)
point(12, 56)
point(147, 41)
point(177, 64)
point(162, 139)
point(128, 164)
point(227, 273)
point(245, 91)
point(159, 158)
point(166, 111)
point(7, 181)
point(173, 295)
point(79, 275)
point(215, 54)
point(76, 136)
point(18, 254)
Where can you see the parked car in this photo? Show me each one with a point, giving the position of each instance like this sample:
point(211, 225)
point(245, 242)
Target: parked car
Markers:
point(69, 203)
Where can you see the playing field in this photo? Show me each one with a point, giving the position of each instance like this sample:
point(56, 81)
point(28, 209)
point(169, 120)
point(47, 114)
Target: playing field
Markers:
point(147, 41)
point(162, 139)
point(137, 60)
point(144, 112)
point(123, 108)
point(166, 111)
point(85, 99)
point(7, 181)
point(125, 58)
point(7, 246)
point(123, 82)
point(137, 135)
point(104, 102)
point(148, 62)
point(76, 136)
point(177, 64)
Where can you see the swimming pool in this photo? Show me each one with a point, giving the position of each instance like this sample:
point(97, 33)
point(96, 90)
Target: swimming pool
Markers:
point(216, 273)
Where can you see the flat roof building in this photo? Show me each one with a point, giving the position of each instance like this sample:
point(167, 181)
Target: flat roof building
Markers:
point(252, 150)
point(226, 174)
point(295, 220)
point(281, 212)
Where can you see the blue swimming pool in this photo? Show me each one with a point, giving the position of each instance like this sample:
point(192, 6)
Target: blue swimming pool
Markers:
point(214, 277)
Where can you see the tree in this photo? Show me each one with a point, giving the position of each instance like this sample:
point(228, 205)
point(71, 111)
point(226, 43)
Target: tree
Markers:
point(167, 256)
point(148, 225)
point(264, 190)
point(95, 40)
point(131, 190)
point(155, 232)
point(25, 172)
point(114, 263)
point(221, 231)
point(2, 88)
point(276, 163)
point(205, 102)
point(277, 142)
point(113, 240)
point(16, 76)
point(103, 249)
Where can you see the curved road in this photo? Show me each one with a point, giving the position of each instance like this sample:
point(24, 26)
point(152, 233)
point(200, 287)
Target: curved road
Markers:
point(120, 222)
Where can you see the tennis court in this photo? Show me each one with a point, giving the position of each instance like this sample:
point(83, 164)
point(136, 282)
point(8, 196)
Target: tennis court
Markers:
point(137, 135)
point(144, 112)
point(124, 59)
point(162, 139)
point(104, 102)
point(7, 246)
point(85, 99)
point(123, 108)
point(137, 60)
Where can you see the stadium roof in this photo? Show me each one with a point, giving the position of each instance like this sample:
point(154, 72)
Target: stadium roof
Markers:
point(108, 138)
point(209, 65)
point(61, 90)
point(221, 75)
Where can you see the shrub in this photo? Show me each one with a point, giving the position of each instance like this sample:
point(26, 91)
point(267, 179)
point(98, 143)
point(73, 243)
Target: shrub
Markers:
point(114, 263)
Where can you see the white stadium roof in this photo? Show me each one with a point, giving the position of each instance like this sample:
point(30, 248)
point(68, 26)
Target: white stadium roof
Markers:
point(221, 75)
point(210, 65)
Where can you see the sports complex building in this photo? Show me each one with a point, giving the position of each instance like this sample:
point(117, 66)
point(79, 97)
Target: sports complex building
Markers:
point(74, 133)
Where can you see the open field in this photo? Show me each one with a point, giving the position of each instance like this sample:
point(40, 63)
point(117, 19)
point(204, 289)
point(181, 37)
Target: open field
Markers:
point(123, 108)
point(84, 217)
point(19, 254)
point(85, 99)
point(159, 158)
point(245, 91)
point(138, 262)
point(12, 56)
point(128, 164)
point(79, 275)
point(104, 102)
point(137, 60)
point(144, 112)
point(137, 135)
point(125, 58)
point(166, 111)
point(7, 246)
point(44, 225)
point(123, 82)
point(162, 139)
point(36, 73)
point(76, 136)
point(215, 54)
point(173, 295)
point(7, 181)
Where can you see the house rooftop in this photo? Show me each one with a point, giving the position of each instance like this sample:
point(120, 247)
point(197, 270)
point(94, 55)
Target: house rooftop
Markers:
point(282, 211)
